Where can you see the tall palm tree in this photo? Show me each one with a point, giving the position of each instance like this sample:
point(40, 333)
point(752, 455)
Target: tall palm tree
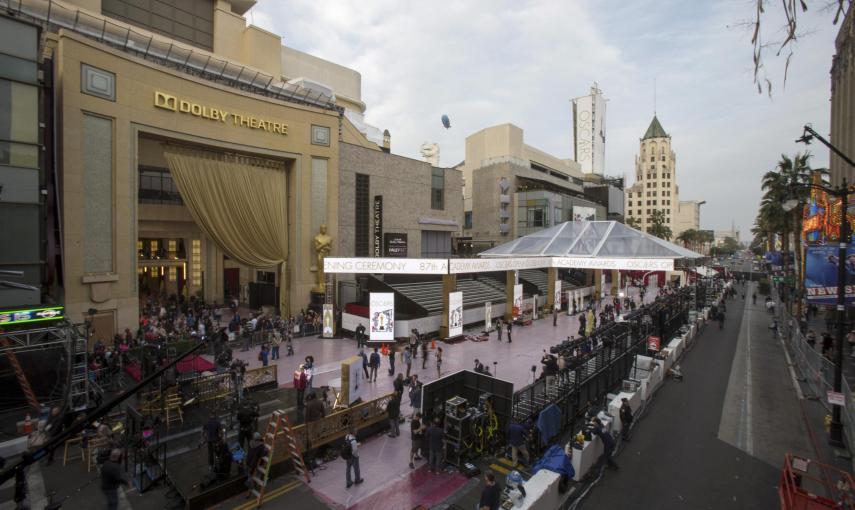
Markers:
point(688, 237)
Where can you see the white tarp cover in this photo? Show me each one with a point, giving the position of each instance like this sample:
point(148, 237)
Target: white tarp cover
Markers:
point(592, 239)
point(705, 271)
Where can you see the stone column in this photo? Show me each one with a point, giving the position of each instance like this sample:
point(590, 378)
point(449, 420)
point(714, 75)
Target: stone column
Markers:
point(213, 264)
point(449, 284)
point(615, 282)
point(551, 276)
point(598, 283)
point(510, 281)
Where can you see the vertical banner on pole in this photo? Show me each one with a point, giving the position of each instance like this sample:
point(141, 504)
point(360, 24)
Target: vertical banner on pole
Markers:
point(534, 306)
point(557, 298)
point(517, 306)
point(329, 320)
point(488, 315)
point(382, 311)
point(455, 314)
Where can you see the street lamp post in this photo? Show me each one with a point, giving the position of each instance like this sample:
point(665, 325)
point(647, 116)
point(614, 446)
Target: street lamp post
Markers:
point(835, 436)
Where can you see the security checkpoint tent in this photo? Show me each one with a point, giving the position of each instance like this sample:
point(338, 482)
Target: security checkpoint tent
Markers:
point(591, 239)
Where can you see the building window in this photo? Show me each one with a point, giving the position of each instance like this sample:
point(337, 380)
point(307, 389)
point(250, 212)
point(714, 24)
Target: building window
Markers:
point(437, 185)
point(639, 212)
point(157, 187)
point(362, 216)
point(436, 243)
point(467, 219)
point(654, 202)
point(653, 167)
point(535, 218)
point(652, 159)
point(629, 203)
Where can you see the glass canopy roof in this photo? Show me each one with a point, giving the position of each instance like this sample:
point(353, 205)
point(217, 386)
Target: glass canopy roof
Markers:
point(604, 239)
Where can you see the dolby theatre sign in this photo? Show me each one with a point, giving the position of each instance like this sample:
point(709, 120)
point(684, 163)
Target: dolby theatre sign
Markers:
point(175, 104)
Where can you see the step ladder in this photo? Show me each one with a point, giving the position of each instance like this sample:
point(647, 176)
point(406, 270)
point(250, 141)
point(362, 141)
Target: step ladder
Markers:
point(278, 421)
point(22, 377)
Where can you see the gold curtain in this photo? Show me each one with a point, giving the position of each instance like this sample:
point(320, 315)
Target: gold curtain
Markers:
point(239, 202)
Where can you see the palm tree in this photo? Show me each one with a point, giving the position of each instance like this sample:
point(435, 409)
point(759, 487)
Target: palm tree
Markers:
point(658, 227)
point(688, 237)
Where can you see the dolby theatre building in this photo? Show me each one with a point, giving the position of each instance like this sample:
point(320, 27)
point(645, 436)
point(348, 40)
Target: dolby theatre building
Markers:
point(193, 153)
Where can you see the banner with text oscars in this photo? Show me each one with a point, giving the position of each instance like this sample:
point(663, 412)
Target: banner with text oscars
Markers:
point(381, 312)
point(455, 314)
point(488, 315)
point(518, 293)
point(557, 298)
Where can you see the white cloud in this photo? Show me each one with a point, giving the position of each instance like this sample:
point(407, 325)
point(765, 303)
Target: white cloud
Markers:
point(487, 62)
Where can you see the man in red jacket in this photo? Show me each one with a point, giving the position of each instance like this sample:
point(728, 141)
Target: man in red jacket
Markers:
point(300, 383)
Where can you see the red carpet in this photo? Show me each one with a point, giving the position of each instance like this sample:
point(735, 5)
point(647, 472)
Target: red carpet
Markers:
point(420, 488)
point(189, 364)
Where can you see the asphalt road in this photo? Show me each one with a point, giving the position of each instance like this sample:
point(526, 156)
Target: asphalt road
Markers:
point(717, 439)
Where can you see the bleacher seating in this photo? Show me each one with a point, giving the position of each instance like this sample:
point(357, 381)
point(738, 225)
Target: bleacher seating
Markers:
point(536, 277)
point(428, 295)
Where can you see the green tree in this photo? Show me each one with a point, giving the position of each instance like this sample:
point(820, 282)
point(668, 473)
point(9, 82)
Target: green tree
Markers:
point(689, 238)
point(633, 223)
point(658, 227)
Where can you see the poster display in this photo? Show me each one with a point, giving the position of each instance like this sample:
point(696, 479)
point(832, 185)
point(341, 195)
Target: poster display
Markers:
point(353, 385)
point(455, 314)
point(534, 306)
point(518, 293)
point(395, 244)
point(557, 298)
point(382, 316)
point(329, 321)
point(584, 213)
point(488, 315)
point(821, 274)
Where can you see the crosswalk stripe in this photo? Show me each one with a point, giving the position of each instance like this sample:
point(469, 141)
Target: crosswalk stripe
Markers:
point(271, 495)
point(499, 469)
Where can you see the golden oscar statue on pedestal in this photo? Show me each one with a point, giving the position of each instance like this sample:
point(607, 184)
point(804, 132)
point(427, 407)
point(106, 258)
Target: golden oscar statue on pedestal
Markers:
point(323, 246)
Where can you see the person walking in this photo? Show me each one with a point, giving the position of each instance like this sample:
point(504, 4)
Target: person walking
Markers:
point(277, 341)
point(424, 354)
point(393, 412)
point(414, 342)
point(417, 430)
point(300, 383)
point(374, 364)
point(491, 495)
point(364, 363)
point(510, 325)
point(438, 362)
point(360, 336)
point(408, 360)
point(350, 453)
point(499, 328)
point(415, 393)
point(516, 438)
point(625, 418)
point(434, 436)
point(264, 355)
point(608, 442)
point(398, 384)
point(392, 351)
point(55, 424)
point(112, 478)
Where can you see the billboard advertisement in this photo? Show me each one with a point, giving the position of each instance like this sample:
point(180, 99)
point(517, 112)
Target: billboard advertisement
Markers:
point(821, 274)
point(557, 298)
point(455, 314)
point(518, 293)
point(488, 315)
point(584, 213)
point(583, 132)
point(329, 321)
point(382, 316)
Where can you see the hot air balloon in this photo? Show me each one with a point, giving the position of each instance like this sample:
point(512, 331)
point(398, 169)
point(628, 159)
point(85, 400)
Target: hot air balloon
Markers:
point(446, 123)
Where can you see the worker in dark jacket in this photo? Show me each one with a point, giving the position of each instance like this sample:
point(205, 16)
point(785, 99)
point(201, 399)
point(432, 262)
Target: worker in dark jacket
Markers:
point(393, 411)
point(314, 408)
point(434, 438)
point(608, 442)
point(254, 453)
point(625, 418)
point(111, 478)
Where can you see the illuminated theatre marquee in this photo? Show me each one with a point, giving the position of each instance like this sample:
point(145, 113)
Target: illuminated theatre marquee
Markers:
point(173, 103)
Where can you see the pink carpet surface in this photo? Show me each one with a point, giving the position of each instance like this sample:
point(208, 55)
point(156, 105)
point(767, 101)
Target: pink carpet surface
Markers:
point(190, 364)
point(419, 488)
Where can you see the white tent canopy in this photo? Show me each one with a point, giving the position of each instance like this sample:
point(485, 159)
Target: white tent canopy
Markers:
point(591, 239)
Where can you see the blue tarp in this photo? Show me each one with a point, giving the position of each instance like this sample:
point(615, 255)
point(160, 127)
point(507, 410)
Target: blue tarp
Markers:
point(549, 423)
point(556, 461)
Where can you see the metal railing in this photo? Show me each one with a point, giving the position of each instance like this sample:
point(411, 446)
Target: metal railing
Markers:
point(815, 370)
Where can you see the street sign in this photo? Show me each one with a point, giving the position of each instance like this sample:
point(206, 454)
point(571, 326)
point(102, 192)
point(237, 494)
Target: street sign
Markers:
point(836, 398)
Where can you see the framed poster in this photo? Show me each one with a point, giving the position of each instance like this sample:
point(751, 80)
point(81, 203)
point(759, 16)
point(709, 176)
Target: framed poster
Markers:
point(329, 321)
point(455, 314)
point(381, 312)
point(557, 298)
point(395, 244)
point(534, 306)
point(488, 315)
point(518, 293)
point(352, 380)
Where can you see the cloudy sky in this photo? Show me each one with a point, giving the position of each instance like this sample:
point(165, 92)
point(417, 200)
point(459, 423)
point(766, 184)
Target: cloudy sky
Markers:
point(487, 62)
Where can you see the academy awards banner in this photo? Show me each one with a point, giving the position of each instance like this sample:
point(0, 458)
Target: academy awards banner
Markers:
point(329, 320)
point(382, 316)
point(518, 293)
point(488, 315)
point(557, 298)
point(455, 314)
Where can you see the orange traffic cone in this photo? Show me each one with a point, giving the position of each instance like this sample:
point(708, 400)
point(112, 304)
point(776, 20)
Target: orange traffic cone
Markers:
point(433, 343)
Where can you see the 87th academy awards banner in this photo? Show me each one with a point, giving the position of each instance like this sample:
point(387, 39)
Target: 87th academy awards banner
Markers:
point(329, 320)
point(382, 316)
point(518, 293)
point(557, 298)
point(821, 274)
point(488, 315)
point(455, 314)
